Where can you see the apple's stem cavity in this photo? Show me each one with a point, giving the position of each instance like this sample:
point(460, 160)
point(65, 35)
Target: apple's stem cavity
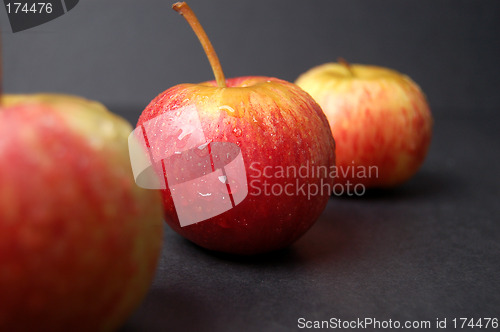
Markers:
point(346, 65)
point(183, 9)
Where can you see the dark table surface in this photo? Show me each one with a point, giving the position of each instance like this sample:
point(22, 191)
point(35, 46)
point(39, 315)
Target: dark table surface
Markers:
point(425, 251)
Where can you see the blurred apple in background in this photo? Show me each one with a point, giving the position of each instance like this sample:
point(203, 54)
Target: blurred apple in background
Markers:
point(79, 241)
point(379, 118)
point(275, 124)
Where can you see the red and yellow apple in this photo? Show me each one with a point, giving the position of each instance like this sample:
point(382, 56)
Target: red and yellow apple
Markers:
point(79, 241)
point(380, 120)
point(276, 126)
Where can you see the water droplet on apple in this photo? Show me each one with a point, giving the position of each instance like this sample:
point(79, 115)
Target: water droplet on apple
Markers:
point(183, 133)
point(231, 111)
point(175, 158)
point(182, 139)
point(204, 145)
point(237, 131)
point(205, 196)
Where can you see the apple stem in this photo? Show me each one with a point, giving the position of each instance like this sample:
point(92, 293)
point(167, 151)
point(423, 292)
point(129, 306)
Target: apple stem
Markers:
point(346, 65)
point(183, 9)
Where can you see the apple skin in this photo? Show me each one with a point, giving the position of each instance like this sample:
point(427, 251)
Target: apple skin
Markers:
point(274, 123)
point(378, 117)
point(79, 241)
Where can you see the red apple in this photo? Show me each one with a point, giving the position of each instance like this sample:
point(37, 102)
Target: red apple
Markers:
point(259, 128)
point(380, 120)
point(79, 241)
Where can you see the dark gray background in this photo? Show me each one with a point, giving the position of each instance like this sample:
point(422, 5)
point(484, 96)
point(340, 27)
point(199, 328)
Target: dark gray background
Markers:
point(428, 249)
point(125, 52)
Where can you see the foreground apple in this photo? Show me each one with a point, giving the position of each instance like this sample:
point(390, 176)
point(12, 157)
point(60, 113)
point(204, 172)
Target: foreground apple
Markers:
point(267, 128)
point(380, 120)
point(79, 241)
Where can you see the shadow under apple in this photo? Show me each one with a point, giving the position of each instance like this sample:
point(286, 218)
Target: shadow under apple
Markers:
point(426, 184)
point(169, 309)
